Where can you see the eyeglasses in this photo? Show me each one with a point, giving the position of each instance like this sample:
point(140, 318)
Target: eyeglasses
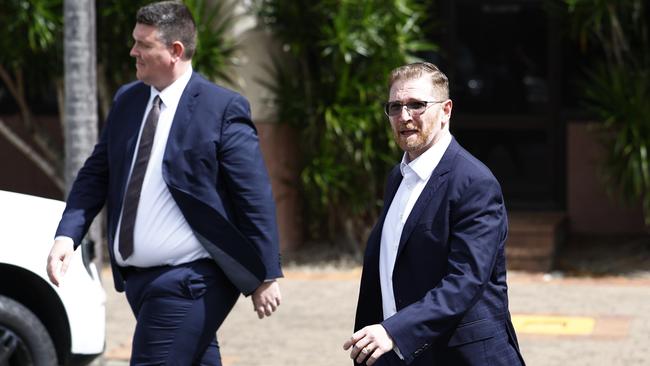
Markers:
point(417, 107)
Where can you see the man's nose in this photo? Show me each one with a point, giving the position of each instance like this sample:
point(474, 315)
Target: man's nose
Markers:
point(405, 113)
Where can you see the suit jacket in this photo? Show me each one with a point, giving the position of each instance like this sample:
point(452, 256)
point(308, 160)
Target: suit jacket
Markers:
point(213, 168)
point(449, 279)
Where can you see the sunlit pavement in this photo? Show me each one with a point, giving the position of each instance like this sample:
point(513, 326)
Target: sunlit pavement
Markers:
point(560, 321)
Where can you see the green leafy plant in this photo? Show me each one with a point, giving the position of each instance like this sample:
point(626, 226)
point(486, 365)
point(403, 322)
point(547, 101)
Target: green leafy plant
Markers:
point(330, 85)
point(216, 48)
point(617, 90)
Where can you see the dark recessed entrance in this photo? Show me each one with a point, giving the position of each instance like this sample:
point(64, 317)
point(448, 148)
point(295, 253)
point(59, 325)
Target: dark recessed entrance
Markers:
point(503, 59)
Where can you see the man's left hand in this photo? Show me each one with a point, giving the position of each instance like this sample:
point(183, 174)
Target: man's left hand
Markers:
point(266, 299)
point(369, 344)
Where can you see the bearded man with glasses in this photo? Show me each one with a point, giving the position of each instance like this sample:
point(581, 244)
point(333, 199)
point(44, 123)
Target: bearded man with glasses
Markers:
point(433, 289)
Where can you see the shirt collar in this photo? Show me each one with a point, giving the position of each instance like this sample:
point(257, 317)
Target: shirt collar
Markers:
point(424, 164)
point(172, 94)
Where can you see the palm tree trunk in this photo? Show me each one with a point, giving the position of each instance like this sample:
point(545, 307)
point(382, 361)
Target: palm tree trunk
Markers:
point(80, 79)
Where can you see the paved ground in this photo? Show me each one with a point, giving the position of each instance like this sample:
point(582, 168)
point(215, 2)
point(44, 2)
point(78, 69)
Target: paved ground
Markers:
point(317, 316)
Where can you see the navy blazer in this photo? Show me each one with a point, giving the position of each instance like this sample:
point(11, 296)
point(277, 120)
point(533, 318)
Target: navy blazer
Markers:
point(449, 279)
point(213, 168)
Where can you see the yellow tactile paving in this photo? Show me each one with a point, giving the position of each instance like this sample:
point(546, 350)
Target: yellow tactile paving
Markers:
point(554, 325)
point(323, 275)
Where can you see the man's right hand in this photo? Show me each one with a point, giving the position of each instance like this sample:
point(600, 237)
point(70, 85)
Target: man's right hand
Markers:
point(266, 299)
point(59, 260)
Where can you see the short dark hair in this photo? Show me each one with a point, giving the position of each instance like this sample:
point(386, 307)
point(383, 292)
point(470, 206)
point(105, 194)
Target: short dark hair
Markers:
point(174, 22)
point(418, 69)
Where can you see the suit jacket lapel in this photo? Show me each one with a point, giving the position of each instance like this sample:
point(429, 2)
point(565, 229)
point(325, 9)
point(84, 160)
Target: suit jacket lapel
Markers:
point(438, 177)
point(182, 119)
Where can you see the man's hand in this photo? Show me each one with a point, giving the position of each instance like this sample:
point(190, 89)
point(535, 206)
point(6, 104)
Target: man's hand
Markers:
point(369, 344)
point(59, 260)
point(266, 298)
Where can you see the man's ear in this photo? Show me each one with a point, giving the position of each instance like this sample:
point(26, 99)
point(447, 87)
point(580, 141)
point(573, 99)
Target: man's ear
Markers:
point(446, 109)
point(177, 50)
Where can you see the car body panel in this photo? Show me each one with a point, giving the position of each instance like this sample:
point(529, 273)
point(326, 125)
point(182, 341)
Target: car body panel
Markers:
point(27, 227)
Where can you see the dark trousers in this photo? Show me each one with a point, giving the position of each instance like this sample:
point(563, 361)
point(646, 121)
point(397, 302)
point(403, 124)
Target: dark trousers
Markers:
point(178, 311)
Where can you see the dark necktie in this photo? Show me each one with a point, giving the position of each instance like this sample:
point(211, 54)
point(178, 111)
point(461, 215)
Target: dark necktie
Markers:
point(132, 196)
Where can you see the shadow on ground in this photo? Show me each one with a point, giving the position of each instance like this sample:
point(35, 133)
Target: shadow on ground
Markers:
point(323, 255)
point(595, 256)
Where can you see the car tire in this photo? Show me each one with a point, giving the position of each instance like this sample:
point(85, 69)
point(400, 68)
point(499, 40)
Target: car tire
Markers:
point(23, 338)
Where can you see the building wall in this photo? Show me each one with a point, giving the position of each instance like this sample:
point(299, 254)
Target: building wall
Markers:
point(590, 209)
point(280, 150)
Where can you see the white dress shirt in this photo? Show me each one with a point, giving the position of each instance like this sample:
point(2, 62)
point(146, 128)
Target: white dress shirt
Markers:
point(416, 175)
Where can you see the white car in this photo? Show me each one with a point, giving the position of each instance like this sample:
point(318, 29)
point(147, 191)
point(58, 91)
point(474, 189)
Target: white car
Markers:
point(41, 324)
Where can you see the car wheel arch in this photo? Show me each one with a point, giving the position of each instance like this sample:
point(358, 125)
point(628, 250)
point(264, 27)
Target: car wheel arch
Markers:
point(33, 292)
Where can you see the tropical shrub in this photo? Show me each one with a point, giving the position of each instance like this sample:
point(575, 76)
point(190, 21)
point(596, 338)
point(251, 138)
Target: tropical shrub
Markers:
point(330, 85)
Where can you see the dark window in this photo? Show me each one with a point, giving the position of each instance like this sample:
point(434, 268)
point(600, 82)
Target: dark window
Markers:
point(503, 59)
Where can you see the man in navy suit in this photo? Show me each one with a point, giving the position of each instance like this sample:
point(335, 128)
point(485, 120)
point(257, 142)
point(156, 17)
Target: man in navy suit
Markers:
point(433, 289)
point(191, 218)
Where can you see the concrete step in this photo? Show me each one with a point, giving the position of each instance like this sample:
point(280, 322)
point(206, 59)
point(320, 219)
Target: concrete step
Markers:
point(533, 238)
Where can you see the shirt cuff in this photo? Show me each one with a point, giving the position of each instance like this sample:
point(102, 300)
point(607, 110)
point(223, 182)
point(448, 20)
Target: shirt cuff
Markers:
point(65, 239)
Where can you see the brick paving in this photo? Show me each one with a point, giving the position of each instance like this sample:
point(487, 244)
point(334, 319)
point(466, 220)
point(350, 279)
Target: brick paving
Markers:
point(318, 309)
